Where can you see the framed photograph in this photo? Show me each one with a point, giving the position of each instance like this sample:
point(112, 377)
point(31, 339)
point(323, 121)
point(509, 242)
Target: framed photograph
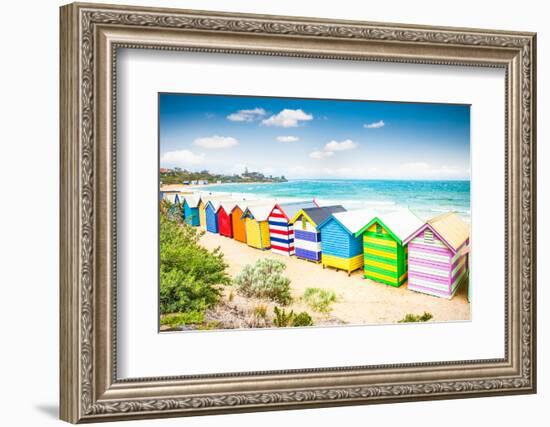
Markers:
point(266, 212)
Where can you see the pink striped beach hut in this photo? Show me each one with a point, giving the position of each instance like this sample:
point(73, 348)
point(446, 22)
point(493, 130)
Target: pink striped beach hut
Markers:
point(438, 255)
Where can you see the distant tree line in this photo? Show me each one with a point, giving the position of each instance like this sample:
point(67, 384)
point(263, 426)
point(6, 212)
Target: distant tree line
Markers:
point(180, 176)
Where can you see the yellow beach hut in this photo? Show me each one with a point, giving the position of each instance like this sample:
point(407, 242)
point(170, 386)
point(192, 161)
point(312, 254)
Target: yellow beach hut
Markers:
point(202, 212)
point(257, 226)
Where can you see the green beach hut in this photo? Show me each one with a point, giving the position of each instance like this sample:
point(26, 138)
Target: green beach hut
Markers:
point(384, 254)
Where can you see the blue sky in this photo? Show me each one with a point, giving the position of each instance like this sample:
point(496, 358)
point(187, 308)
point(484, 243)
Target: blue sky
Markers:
point(314, 138)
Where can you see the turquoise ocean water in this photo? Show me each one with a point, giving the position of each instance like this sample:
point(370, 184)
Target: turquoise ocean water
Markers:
point(425, 198)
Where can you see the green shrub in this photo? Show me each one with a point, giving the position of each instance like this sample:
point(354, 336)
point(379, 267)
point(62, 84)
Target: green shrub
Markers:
point(283, 319)
point(172, 211)
point(190, 275)
point(319, 300)
point(409, 317)
point(302, 319)
point(264, 279)
point(175, 320)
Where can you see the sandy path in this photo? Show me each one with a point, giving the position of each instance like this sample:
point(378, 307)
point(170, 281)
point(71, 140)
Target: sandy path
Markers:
point(359, 300)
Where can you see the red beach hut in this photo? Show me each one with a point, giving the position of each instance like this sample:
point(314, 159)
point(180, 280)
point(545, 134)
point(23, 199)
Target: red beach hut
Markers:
point(225, 223)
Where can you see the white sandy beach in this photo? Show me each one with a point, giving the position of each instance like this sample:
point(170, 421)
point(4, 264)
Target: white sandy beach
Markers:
point(360, 300)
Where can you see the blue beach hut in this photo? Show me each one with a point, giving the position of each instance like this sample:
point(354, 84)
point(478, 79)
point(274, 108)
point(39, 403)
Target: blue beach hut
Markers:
point(171, 196)
point(307, 238)
point(191, 210)
point(212, 217)
point(211, 211)
point(341, 249)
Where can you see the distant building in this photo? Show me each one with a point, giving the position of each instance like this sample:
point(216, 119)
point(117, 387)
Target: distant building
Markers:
point(164, 170)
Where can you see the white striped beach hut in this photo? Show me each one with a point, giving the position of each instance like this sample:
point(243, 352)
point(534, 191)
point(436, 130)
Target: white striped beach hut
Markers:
point(281, 232)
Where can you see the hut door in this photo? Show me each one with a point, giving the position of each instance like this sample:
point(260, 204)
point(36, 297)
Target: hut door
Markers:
point(260, 233)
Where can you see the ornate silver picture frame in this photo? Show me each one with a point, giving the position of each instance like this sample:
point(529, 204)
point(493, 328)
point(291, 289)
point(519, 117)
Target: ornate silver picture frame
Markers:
point(90, 36)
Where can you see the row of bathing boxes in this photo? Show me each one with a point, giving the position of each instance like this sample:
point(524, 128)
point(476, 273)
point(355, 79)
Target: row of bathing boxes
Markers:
point(391, 248)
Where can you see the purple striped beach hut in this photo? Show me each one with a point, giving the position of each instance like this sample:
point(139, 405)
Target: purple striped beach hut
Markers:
point(438, 255)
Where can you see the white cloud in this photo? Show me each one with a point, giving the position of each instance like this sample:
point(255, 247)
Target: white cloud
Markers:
point(331, 147)
point(247, 115)
point(181, 158)
point(320, 154)
point(374, 125)
point(288, 138)
point(216, 142)
point(344, 145)
point(287, 118)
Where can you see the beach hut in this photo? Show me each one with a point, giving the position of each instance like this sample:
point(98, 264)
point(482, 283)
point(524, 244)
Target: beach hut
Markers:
point(438, 255)
point(307, 238)
point(172, 197)
point(169, 192)
point(342, 249)
point(211, 212)
point(180, 206)
point(385, 251)
point(257, 226)
point(238, 222)
point(225, 218)
point(191, 210)
point(281, 233)
point(202, 212)
point(175, 208)
point(204, 201)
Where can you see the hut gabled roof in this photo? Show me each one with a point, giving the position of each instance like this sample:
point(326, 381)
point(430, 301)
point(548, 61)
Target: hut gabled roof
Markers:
point(215, 203)
point(243, 204)
point(352, 221)
point(290, 209)
point(400, 224)
point(205, 198)
point(317, 215)
point(171, 196)
point(192, 200)
point(259, 212)
point(228, 205)
point(451, 228)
